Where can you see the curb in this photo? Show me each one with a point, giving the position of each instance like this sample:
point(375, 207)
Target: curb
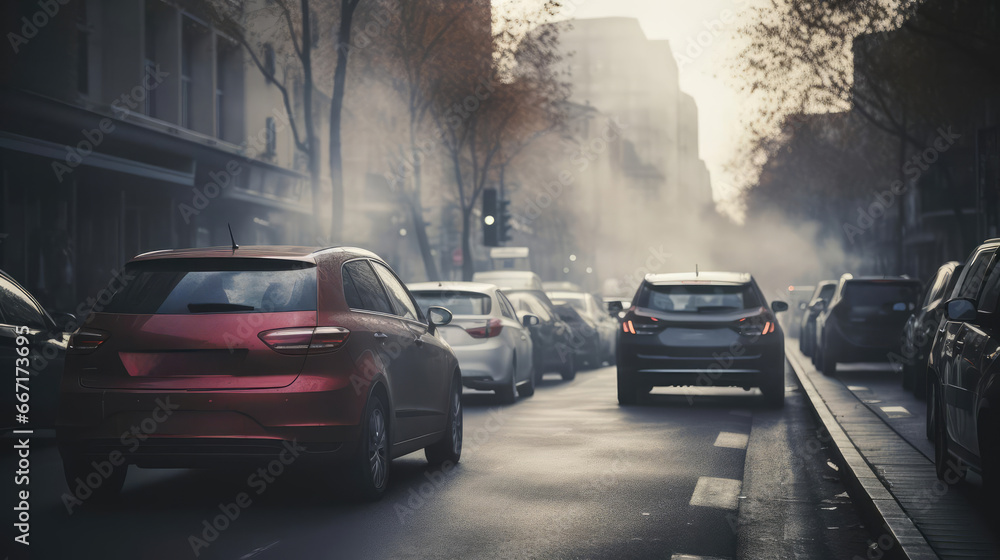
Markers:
point(876, 504)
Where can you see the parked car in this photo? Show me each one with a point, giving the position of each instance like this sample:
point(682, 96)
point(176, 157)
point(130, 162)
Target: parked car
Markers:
point(817, 303)
point(863, 320)
point(226, 355)
point(493, 345)
point(920, 328)
point(586, 338)
point(561, 286)
point(708, 328)
point(797, 297)
point(595, 315)
point(25, 324)
point(552, 338)
point(964, 375)
point(510, 279)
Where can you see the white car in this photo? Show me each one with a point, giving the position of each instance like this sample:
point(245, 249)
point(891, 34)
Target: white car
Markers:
point(494, 348)
point(510, 279)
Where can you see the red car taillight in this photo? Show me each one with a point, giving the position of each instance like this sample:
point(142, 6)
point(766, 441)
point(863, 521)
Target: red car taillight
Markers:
point(85, 341)
point(305, 340)
point(641, 325)
point(758, 325)
point(491, 329)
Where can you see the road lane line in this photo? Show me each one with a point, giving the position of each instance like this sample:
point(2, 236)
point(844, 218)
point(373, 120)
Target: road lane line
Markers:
point(732, 440)
point(721, 493)
point(895, 411)
point(693, 557)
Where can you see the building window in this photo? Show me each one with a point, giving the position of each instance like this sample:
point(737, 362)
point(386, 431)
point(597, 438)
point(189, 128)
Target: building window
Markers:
point(271, 136)
point(82, 49)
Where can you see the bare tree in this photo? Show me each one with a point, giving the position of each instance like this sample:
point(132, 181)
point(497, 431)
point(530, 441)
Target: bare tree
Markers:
point(347, 9)
point(424, 33)
point(278, 35)
point(488, 107)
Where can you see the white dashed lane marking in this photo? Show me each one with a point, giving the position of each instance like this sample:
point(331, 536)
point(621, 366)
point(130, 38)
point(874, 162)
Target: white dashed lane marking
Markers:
point(732, 440)
point(721, 493)
point(895, 411)
point(693, 557)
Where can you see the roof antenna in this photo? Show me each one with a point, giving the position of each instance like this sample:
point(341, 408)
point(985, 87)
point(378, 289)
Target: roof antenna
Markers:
point(231, 237)
point(695, 270)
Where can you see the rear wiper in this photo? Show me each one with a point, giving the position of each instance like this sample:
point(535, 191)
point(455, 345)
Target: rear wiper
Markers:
point(217, 307)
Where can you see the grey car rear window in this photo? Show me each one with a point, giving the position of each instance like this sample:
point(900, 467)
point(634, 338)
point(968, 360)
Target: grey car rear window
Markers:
point(698, 298)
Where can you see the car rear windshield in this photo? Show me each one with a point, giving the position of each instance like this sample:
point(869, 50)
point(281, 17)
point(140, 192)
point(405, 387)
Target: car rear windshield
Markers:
point(459, 303)
point(698, 298)
point(190, 286)
point(512, 282)
point(881, 296)
point(580, 303)
point(826, 292)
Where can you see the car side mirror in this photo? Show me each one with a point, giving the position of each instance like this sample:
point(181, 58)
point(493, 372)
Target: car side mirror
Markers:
point(817, 304)
point(65, 322)
point(614, 308)
point(961, 309)
point(439, 316)
point(778, 306)
point(530, 320)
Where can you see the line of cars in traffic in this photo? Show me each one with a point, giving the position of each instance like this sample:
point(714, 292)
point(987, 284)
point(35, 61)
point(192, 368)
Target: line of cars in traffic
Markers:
point(945, 337)
point(208, 357)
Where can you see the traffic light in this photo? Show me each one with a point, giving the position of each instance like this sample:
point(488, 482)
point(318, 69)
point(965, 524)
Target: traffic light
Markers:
point(491, 218)
point(504, 227)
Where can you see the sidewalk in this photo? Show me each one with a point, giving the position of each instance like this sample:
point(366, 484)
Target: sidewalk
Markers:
point(893, 481)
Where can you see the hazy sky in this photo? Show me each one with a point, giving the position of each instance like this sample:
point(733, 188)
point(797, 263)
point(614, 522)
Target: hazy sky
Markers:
point(700, 30)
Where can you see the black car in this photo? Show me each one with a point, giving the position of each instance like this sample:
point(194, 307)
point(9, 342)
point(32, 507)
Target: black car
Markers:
point(918, 333)
point(585, 337)
point(863, 320)
point(707, 329)
point(31, 340)
point(964, 375)
point(817, 303)
point(553, 340)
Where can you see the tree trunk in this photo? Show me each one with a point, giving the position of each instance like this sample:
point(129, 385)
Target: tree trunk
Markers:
point(420, 230)
point(312, 145)
point(415, 203)
point(468, 267)
point(336, 109)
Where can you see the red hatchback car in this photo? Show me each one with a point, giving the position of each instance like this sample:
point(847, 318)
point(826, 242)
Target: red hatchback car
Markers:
point(209, 356)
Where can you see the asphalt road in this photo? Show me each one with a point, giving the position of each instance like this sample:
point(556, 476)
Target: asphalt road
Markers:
point(564, 474)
